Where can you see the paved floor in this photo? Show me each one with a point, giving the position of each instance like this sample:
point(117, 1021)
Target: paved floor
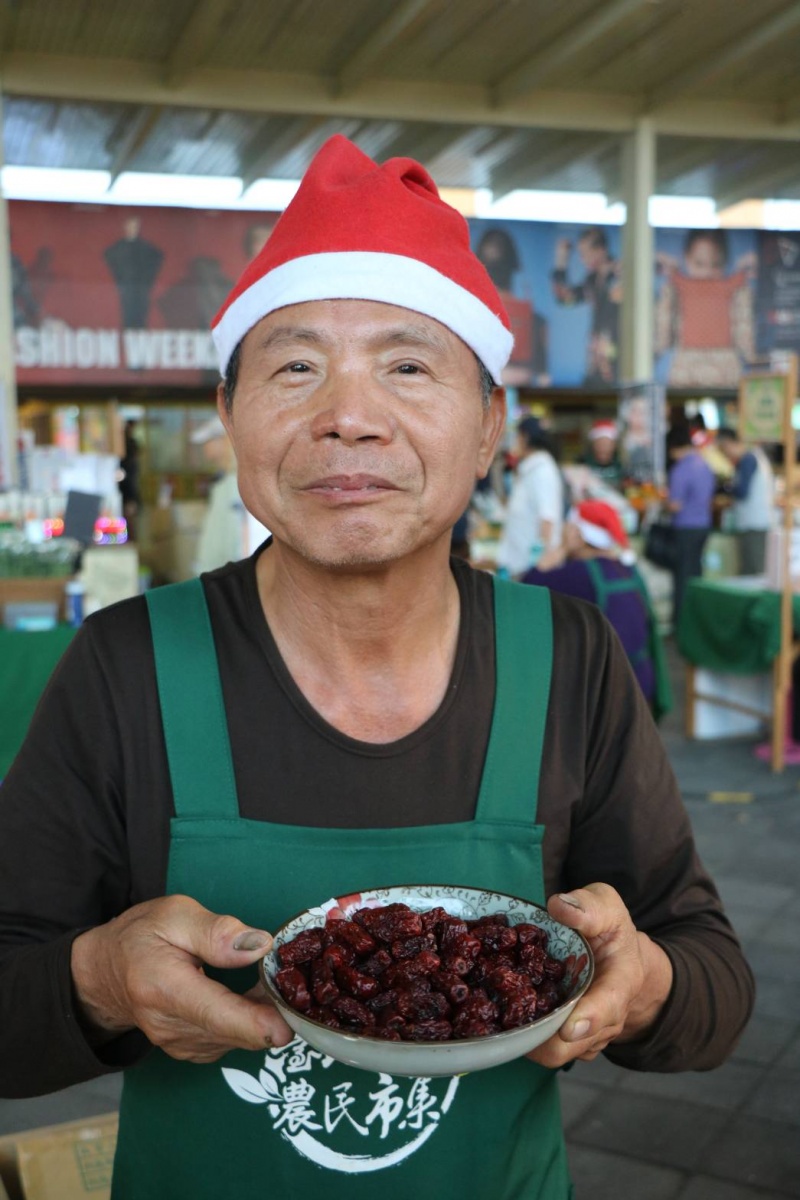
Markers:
point(730, 1134)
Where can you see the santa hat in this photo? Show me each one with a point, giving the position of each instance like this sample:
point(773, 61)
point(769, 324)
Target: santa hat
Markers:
point(600, 526)
point(358, 231)
point(603, 429)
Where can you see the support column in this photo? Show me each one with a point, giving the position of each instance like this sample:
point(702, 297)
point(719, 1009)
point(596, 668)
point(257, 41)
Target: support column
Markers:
point(638, 182)
point(8, 376)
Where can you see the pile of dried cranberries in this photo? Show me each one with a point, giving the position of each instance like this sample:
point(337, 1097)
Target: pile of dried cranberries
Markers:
point(401, 975)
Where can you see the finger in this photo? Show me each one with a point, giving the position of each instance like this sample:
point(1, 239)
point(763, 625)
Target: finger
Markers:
point(595, 910)
point(220, 941)
point(198, 1012)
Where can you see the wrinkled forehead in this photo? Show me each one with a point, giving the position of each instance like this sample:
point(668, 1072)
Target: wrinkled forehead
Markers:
point(368, 323)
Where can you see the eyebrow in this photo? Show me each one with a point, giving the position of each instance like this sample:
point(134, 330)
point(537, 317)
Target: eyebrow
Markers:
point(403, 335)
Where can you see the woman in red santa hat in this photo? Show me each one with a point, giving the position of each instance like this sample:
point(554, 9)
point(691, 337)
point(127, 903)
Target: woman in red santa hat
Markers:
point(594, 562)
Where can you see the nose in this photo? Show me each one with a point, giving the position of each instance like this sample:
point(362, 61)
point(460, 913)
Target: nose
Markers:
point(352, 407)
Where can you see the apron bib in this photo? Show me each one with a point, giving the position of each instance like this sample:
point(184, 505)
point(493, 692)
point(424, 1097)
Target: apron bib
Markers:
point(291, 1122)
point(604, 588)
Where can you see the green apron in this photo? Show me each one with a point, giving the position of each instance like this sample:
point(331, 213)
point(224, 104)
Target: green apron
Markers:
point(291, 1122)
point(662, 696)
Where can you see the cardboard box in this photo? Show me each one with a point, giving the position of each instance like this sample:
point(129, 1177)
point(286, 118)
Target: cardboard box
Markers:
point(60, 1162)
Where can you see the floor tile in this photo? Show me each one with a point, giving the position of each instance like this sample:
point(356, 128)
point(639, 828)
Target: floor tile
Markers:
point(777, 1098)
point(662, 1132)
point(576, 1101)
point(701, 1187)
point(728, 1087)
point(601, 1176)
point(755, 1151)
point(766, 1039)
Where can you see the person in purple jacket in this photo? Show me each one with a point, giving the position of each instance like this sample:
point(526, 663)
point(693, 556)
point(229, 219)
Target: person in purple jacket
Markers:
point(692, 484)
point(595, 563)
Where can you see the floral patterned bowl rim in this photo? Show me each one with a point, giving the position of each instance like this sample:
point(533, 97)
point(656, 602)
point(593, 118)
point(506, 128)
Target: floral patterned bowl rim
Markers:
point(563, 943)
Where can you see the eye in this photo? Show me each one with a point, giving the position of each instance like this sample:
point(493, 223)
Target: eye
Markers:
point(296, 368)
point(409, 369)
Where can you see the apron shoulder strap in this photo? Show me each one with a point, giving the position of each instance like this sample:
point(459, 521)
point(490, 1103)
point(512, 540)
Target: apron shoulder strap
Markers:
point(524, 660)
point(192, 707)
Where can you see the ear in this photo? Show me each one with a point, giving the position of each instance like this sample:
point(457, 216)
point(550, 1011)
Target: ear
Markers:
point(222, 410)
point(494, 423)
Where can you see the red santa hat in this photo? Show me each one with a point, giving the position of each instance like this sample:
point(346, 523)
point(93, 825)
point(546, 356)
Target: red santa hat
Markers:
point(600, 526)
point(603, 429)
point(358, 231)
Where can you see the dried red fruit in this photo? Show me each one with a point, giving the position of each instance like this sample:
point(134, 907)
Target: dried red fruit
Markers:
point(291, 983)
point(302, 949)
point(400, 975)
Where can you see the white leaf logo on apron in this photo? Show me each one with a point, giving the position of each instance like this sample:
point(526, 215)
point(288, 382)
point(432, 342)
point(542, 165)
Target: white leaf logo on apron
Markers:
point(350, 1125)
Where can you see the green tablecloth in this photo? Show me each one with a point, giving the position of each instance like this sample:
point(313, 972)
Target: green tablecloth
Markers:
point(728, 628)
point(26, 663)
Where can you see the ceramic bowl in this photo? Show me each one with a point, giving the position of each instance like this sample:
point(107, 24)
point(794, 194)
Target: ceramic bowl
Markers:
point(430, 1059)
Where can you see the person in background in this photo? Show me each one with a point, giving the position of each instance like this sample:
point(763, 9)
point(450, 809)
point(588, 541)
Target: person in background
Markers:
point(692, 484)
point(535, 513)
point(129, 483)
point(528, 363)
point(753, 492)
point(595, 562)
point(223, 535)
point(704, 314)
point(602, 453)
point(601, 289)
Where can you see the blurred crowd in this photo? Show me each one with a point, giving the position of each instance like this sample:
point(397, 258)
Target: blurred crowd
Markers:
point(568, 527)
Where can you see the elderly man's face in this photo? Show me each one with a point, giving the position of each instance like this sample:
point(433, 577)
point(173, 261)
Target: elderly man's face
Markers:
point(359, 430)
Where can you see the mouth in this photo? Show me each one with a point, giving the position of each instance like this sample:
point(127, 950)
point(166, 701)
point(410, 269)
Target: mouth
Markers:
point(350, 487)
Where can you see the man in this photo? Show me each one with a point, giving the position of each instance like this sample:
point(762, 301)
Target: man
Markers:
point(602, 453)
point(223, 535)
point(691, 493)
point(341, 709)
point(601, 288)
point(135, 264)
point(753, 492)
point(535, 513)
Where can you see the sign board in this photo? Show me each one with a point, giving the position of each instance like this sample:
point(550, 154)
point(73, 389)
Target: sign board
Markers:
point(764, 401)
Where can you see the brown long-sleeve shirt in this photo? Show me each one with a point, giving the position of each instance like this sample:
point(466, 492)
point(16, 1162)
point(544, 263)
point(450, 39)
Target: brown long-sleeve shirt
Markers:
point(85, 810)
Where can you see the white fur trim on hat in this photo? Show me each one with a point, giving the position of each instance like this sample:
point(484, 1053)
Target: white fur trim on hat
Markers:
point(367, 275)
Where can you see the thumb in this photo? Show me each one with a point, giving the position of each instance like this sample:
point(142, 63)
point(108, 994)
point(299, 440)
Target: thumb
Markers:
point(219, 941)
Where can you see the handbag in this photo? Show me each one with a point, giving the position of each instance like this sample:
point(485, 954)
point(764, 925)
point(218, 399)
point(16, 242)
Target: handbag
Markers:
point(659, 545)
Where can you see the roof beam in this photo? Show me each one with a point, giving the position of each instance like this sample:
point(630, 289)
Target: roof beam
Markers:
point(358, 66)
point(789, 109)
point(739, 49)
point(125, 81)
point(195, 40)
point(8, 23)
point(131, 142)
point(773, 174)
point(268, 147)
point(539, 166)
point(545, 63)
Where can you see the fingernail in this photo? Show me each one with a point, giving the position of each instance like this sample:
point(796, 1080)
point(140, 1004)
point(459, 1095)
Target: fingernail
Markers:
point(579, 1030)
point(253, 939)
point(268, 1042)
point(571, 901)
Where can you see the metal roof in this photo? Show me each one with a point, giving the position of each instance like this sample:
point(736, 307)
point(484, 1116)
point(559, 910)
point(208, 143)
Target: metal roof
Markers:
point(487, 93)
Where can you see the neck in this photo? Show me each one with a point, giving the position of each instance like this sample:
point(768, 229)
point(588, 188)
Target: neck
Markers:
point(372, 650)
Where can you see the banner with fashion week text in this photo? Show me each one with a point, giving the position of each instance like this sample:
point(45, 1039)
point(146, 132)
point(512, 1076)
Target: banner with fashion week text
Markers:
point(105, 294)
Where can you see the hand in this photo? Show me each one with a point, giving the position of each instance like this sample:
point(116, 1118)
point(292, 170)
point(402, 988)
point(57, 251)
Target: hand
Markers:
point(563, 250)
point(144, 970)
point(632, 977)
